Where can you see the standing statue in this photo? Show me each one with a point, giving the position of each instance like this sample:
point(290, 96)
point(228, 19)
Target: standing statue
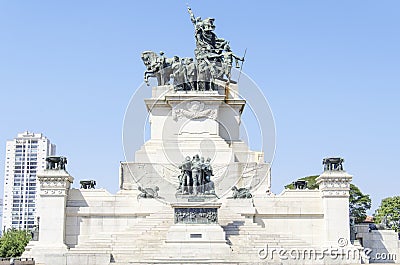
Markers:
point(186, 175)
point(203, 76)
point(191, 70)
point(229, 56)
point(214, 51)
point(206, 40)
point(204, 35)
point(184, 70)
point(202, 183)
point(208, 172)
point(178, 73)
point(196, 171)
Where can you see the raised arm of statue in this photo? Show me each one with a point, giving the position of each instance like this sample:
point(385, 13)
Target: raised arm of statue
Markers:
point(237, 59)
point(192, 17)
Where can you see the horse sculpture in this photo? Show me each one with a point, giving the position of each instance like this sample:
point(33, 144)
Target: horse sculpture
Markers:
point(157, 66)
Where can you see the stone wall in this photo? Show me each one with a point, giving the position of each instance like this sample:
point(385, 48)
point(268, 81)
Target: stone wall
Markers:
point(382, 246)
point(255, 176)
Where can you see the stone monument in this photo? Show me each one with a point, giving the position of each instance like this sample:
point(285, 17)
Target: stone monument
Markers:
point(195, 193)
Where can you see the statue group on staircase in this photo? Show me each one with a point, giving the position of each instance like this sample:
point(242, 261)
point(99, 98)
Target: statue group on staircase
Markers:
point(195, 177)
point(213, 60)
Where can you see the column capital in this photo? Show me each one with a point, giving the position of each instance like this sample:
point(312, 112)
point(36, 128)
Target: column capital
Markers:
point(54, 182)
point(334, 183)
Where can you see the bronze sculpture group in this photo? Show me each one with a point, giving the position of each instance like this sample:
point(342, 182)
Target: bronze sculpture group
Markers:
point(196, 216)
point(333, 164)
point(56, 162)
point(88, 184)
point(148, 193)
point(213, 60)
point(195, 177)
point(241, 193)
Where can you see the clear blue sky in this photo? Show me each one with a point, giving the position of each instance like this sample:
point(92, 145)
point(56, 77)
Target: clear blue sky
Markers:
point(329, 69)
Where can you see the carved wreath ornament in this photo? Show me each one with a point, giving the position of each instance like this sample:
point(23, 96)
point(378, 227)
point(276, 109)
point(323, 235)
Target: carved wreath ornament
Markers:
point(194, 110)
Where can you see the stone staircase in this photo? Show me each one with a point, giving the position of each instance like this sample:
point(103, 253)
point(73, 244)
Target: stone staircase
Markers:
point(144, 242)
point(246, 238)
point(145, 238)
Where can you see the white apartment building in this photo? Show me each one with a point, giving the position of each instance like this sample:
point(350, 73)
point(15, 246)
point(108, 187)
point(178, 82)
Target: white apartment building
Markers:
point(25, 155)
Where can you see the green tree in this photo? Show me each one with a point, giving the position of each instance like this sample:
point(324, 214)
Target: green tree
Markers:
point(13, 243)
point(389, 210)
point(359, 203)
point(311, 183)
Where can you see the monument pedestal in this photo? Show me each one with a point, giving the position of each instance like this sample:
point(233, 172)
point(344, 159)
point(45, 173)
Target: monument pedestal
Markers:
point(195, 122)
point(196, 230)
point(189, 123)
point(202, 198)
point(196, 233)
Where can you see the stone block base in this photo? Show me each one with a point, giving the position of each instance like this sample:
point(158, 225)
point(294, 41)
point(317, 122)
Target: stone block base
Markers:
point(196, 233)
point(46, 254)
point(88, 259)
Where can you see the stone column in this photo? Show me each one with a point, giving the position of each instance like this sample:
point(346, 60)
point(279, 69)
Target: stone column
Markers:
point(335, 186)
point(54, 187)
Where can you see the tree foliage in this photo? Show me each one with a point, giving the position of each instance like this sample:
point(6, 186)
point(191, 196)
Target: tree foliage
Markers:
point(389, 213)
point(359, 203)
point(311, 183)
point(13, 243)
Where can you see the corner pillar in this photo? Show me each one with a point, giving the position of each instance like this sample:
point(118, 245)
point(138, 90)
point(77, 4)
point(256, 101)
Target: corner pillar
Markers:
point(54, 187)
point(335, 186)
